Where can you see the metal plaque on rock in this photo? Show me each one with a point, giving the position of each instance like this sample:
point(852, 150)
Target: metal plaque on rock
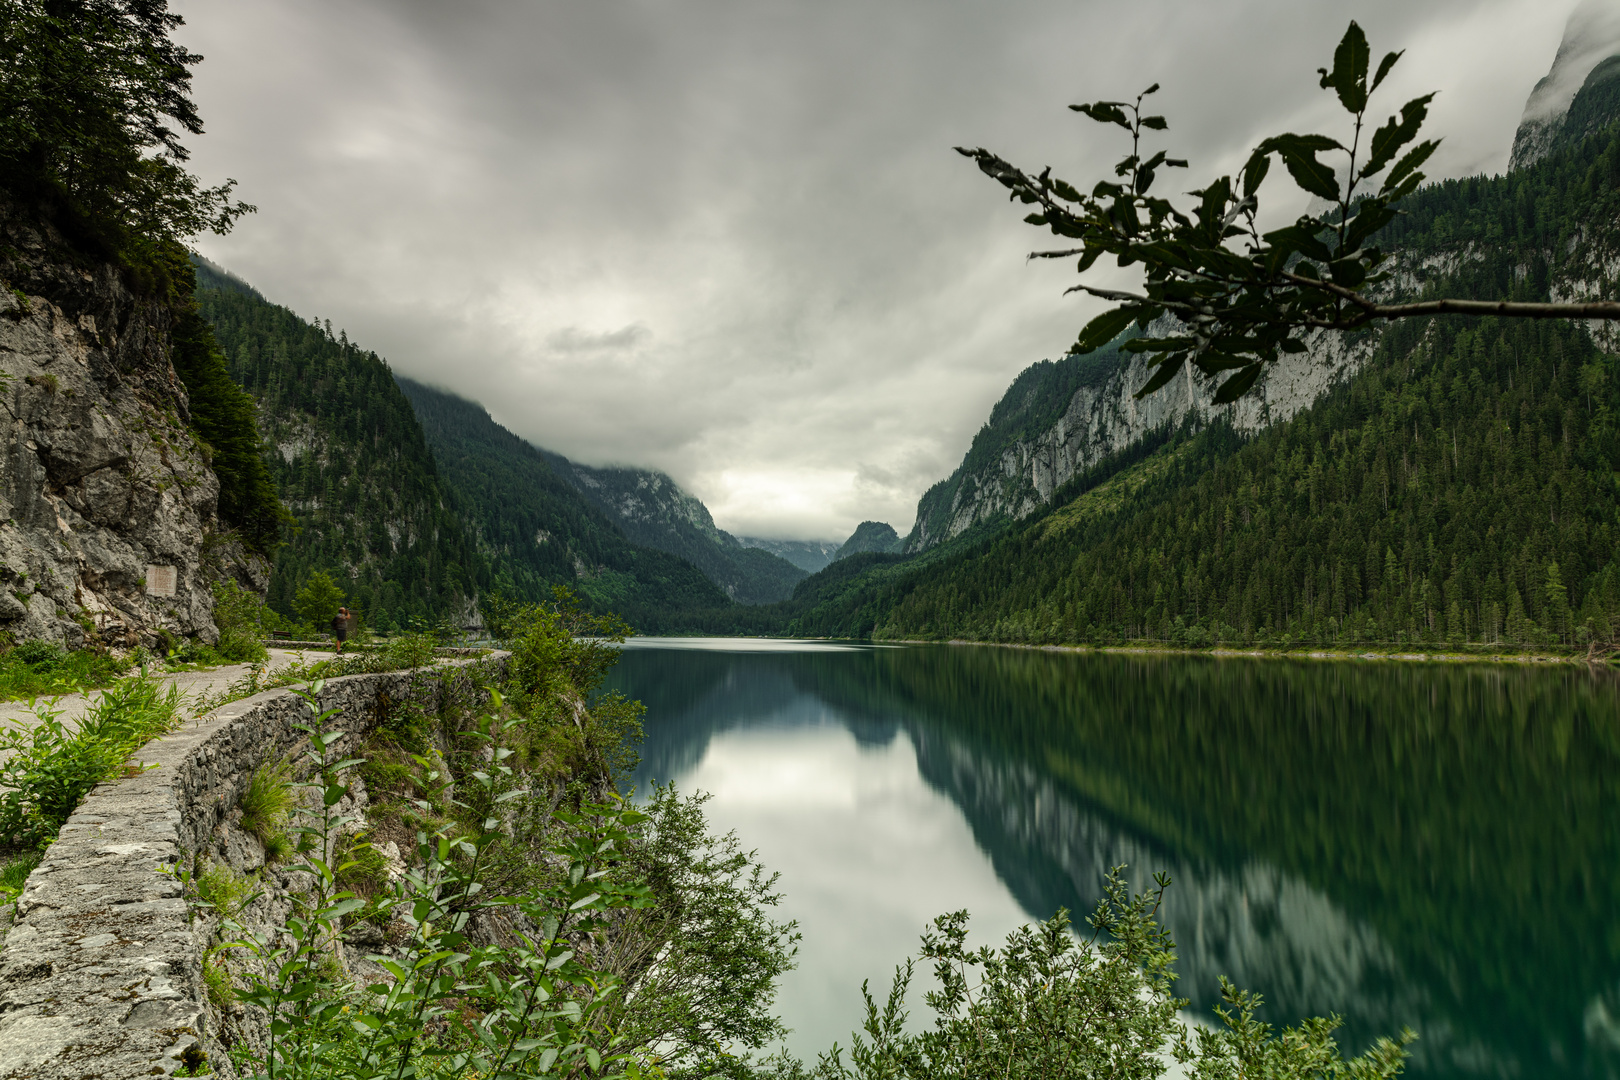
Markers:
point(160, 580)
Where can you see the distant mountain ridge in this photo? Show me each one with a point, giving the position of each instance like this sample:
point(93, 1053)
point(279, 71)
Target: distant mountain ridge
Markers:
point(653, 510)
point(810, 556)
point(534, 526)
point(1577, 97)
point(871, 536)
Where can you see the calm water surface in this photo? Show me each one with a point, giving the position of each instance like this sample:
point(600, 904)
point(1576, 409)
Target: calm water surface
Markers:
point(1427, 845)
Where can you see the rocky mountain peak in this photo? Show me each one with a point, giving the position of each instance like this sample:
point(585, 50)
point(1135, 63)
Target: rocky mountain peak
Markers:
point(1591, 36)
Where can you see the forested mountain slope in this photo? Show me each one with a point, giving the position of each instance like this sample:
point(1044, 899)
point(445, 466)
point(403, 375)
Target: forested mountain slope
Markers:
point(653, 510)
point(1461, 487)
point(870, 536)
point(536, 530)
point(347, 455)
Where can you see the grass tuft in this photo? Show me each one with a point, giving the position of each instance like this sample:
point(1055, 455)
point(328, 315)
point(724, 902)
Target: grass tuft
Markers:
point(14, 872)
point(267, 801)
point(223, 889)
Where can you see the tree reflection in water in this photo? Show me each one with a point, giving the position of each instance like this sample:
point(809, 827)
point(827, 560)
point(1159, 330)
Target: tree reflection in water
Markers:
point(1421, 844)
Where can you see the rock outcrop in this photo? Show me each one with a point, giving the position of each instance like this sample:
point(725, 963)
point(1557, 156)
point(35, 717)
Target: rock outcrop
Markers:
point(1105, 418)
point(106, 498)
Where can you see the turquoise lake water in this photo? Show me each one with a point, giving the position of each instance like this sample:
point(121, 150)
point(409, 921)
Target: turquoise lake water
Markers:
point(1427, 845)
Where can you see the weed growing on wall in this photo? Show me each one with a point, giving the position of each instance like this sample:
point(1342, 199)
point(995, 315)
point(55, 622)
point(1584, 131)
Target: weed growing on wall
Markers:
point(266, 803)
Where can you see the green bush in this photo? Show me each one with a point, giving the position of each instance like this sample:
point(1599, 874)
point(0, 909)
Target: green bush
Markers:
point(52, 766)
point(37, 668)
point(240, 616)
point(1047, 1004)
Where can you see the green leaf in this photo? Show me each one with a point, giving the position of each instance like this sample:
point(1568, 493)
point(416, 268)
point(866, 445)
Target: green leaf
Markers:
point(1254, 173)
point(1157, 123)
point(1347, 272)
point(1349, 75)
point(1407, 167)
point(1310, 174)
point(1104, 112)
point(1167, 370)
point(1238, 384)
point(1301, 239)
point(1388, 140)
point(1103, 329)
point(1384, 66)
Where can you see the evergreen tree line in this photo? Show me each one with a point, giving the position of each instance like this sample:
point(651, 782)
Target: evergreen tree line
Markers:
point(1463, 490)
point(344, 449)
point(536, 530)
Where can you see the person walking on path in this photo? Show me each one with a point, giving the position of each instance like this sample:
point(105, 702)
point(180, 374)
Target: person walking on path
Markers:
point(340, 627)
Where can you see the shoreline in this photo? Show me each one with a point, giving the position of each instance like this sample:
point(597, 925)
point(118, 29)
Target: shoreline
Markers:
point(1259, 653)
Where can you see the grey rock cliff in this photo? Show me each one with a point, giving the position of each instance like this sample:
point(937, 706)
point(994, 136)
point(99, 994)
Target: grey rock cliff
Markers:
point(99, 478)
point(1107, 418)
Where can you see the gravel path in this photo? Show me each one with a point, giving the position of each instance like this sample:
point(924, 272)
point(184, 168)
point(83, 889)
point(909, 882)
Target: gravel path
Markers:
point(194, 685)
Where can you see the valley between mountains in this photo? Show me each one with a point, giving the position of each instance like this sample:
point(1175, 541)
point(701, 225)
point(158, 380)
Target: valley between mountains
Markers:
point(1442, 483)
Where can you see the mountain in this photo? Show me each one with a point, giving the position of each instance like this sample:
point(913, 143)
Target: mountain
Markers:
point(1439, 481)
point(1061, 418)
point(871, 536)
point(808, 555)
point(534, 527)
point(652, 510)
point(348, 457)
point(1591, 37)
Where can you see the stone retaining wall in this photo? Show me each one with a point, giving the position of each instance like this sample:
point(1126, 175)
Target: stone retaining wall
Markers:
point(99, 977)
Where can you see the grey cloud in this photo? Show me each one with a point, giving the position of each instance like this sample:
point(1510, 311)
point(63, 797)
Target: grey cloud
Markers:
point(573, 339)
point(490, 193)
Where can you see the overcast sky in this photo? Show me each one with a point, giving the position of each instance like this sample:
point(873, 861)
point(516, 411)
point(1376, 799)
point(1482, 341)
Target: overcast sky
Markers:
point(729, 239)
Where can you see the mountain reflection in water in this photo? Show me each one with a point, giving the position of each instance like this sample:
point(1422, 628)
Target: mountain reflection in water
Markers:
point(1405, 844)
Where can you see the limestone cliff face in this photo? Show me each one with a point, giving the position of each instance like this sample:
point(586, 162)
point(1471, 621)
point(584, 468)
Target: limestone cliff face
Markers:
point(104, 493)
point(1105, 418)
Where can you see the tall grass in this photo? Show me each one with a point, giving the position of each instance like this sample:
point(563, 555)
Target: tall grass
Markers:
point(267, 800)
point(52, 766)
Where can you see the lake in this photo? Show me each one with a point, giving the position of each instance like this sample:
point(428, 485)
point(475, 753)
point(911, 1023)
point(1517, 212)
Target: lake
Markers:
point(1429, 845)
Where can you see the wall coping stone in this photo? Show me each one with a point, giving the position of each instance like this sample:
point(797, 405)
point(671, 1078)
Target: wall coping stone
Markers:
point(99, 974)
